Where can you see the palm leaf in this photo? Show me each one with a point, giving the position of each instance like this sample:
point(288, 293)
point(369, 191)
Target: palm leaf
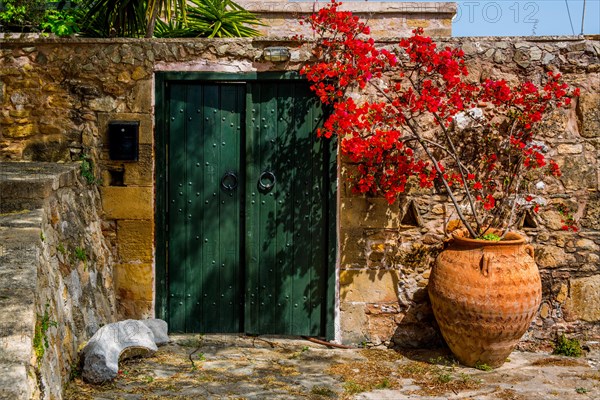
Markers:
point(215, 18)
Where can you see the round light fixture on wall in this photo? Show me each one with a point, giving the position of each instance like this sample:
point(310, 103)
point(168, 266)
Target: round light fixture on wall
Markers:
point(276, 54)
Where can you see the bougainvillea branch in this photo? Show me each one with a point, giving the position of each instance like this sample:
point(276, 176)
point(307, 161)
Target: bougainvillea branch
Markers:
point(418, 120)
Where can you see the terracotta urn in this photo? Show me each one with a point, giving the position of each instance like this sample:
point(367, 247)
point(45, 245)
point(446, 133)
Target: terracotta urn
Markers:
point(484, 296)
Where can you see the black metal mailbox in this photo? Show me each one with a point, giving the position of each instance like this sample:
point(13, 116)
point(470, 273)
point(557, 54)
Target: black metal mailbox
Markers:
point(123, 139)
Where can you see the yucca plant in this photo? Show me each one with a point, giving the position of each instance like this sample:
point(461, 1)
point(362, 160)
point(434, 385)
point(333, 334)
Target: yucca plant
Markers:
point(211, 18)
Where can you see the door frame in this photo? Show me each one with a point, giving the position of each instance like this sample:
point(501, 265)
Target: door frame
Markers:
point(160, 167)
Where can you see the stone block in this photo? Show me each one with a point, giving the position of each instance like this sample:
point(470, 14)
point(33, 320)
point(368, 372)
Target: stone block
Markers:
point(584, 299)
point(139, 173)
point(553, 257)
point(381, 328)
point(578, 172)
point(103, 104)
point(139, 99)
point(417, 23)
point(565, 148)
point(591, 217)
point(353, 323)
point(127, 202)
point(19, 131)
point(134, 282)
point(135, 309)
point(369, 213)
point(588, 112)
point(135, 240)
point(368, 286)
point(352, 248)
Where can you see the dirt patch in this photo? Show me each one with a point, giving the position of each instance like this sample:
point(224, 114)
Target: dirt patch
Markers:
point(508, 394)
point(365, 376)
point(381, 355)
point(435, 380)
point(559, 362)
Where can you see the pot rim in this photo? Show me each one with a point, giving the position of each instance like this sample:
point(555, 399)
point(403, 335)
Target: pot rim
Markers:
point(510, 239)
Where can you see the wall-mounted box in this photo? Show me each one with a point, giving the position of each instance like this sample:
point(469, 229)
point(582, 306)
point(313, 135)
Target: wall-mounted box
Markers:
point(123, 140)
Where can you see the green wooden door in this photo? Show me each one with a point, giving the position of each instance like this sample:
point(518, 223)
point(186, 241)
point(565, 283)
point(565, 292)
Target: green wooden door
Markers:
point(204, 268)
point(249, 209)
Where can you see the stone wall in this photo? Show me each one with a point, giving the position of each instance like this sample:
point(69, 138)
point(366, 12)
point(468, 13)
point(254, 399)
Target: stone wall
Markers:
point(49, 219)
point(57, 96)
point(386, 250)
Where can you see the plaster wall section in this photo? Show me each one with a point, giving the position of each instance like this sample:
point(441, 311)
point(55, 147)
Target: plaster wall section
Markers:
point(58, 95)
point(386, 19)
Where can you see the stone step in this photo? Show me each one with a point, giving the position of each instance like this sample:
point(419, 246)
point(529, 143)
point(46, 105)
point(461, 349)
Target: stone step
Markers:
point(14, 383)
point(19, 257)
point(25, 186)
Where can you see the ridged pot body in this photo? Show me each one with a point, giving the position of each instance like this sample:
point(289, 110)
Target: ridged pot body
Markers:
point(484, 296)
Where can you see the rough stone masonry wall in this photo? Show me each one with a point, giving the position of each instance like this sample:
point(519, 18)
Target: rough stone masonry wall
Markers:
point(57, 97)
point(386, 251)
point(60, 271)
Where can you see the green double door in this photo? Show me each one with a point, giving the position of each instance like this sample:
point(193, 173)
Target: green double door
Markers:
point(249, 202)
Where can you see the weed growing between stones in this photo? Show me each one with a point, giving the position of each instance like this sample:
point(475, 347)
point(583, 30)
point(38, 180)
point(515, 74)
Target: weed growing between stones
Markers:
point(483, 366)
point(323, 391)
point(567, 347)
point(61, 249)
point(40, 339)
point(80, 254)
point(297, 354)
point(87, 170)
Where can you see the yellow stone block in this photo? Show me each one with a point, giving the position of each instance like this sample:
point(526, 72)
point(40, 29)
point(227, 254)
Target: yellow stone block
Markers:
point(584, 301)
point(369, 213)
point(139, 73)
point(19, 131)
point(134, 282)
point(135, 240)
point(135, 310)
point(369, 286)
point(127, 202)
point(417, 23)
point(124, 77)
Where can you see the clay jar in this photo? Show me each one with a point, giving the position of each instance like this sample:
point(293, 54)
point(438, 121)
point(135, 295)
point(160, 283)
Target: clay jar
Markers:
point(484, 296)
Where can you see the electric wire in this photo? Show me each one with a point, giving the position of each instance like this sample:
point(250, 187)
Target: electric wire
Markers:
point(582, 17)
point(570, 20)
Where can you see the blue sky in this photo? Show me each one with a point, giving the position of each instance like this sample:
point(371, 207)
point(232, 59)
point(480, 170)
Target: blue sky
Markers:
point(523, 18)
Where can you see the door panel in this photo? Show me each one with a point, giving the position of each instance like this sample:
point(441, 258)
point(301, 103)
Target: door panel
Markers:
point(250, 258)
point(285, 228)
point(204, 223)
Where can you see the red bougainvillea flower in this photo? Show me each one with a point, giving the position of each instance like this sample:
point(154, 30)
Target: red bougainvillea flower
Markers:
point(407, 116)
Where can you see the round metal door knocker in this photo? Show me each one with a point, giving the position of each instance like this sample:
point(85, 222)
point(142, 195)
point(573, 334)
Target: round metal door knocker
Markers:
point(229, 181)
point(266, 181)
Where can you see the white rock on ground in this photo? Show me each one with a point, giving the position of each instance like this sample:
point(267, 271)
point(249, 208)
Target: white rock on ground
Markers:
point(159, 329)
point(120, 340)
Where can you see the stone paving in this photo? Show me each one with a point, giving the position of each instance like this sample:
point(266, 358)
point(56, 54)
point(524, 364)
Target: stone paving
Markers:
point(242, 367)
